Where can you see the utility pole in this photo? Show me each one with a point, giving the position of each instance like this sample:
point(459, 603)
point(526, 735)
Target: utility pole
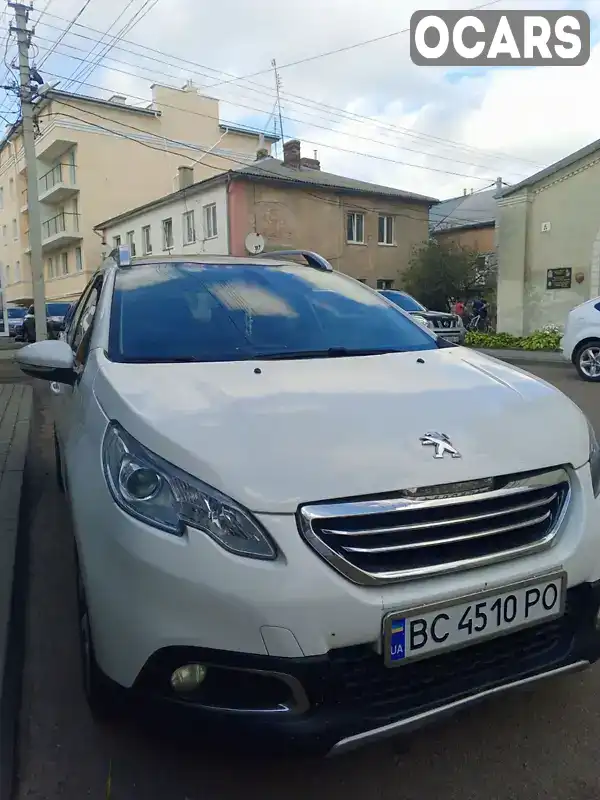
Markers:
point(33, 201)
point(278, 90)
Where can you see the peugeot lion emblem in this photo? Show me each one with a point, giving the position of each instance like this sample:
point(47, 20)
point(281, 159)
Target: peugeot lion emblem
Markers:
point(441, 443)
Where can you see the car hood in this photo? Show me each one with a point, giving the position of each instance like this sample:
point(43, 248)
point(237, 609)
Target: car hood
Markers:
point(274, 434)
point(435, 314)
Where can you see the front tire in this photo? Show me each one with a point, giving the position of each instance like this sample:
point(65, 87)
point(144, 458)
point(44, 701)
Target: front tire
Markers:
point(100, 695)
point(587, 361)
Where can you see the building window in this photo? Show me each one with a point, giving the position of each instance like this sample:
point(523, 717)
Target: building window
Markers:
point(362, 280)
point(11, 188)
point(116, 242)
point(18, 272)
point(384, 283)
point(7, 274)
point(146, 240)
point(1, 198)
point(4, 235)
point(64, 263)
point(15, 230)
point(210, 221)
point(167, 233)
point(131, 242)
point(50, 266)
point(78, 259)
point(386, 229)
point(189, 228)
point(355, 228)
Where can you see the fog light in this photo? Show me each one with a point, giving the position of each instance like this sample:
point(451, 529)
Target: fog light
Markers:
point(188, 678)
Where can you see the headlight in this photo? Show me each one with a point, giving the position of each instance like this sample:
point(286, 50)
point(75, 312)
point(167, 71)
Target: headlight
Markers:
point(156, 492)
point(594, 460)
point(427, 323)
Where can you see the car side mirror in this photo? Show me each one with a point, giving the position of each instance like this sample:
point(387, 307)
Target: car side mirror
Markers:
point(50, 360)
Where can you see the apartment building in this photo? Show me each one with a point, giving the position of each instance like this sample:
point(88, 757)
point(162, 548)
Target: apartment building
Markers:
point(95, 159)
point(364, 229)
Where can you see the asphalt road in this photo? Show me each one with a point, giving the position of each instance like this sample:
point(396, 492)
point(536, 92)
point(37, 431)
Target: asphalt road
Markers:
point(539, 744)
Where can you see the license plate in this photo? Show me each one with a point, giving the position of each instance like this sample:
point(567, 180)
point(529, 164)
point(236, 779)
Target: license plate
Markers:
point(429, 630)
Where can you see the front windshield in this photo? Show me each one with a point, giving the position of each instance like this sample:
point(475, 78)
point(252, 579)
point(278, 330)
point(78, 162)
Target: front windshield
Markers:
point(215, 312)
point(57, 309)
point(405, 301)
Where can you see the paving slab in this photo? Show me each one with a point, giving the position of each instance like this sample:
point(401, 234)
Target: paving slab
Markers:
point(16, 405)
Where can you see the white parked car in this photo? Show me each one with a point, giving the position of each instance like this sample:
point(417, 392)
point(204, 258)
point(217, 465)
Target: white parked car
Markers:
point(581, 339)
point(299, 514)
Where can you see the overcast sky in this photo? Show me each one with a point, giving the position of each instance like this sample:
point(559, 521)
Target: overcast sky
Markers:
point(369, 112)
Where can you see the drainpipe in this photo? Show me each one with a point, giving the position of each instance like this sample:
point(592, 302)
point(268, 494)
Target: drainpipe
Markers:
point(228, 203)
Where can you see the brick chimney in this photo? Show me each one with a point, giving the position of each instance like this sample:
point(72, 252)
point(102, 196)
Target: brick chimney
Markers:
point(186, 177)
point(291, 154)
point(292, 157)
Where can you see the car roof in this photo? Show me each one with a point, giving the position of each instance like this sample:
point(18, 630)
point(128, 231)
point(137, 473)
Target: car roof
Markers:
point(140, 261)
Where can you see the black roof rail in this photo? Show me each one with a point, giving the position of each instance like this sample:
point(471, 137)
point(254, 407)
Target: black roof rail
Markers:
point(313, 260)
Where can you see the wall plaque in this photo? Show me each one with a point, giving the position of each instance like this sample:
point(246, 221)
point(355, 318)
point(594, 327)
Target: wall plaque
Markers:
point(559, 278)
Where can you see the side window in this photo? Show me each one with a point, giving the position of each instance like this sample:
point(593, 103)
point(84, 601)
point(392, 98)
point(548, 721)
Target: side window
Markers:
point(82, 326)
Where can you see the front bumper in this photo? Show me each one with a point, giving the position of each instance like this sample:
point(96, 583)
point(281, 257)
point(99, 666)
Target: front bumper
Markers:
point(348, 697)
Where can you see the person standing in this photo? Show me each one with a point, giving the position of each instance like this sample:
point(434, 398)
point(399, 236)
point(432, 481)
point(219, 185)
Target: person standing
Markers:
point(459, 308)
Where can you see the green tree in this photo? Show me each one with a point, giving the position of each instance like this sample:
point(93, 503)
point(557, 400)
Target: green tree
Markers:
point(439, 271)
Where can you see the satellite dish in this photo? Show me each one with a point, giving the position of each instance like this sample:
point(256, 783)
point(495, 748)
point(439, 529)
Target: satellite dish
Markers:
point(255, 243)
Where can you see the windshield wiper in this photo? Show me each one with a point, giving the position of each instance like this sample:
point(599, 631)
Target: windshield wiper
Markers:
point(164, 360)
point(331, 352)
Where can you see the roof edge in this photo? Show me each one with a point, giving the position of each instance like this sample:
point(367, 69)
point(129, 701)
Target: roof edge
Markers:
point(194, 188)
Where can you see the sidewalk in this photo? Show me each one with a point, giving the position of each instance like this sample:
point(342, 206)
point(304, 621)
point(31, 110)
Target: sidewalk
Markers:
point(16, 406)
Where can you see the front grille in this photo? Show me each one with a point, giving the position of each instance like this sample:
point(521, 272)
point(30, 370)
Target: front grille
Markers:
point(425, 532)
point(444, 322)
point(360, 680)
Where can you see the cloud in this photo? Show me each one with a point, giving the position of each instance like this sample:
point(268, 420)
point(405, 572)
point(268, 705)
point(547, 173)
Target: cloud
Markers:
point(369, 112)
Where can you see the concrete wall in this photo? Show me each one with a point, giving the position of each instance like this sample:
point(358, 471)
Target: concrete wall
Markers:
point(217, 245)
point(569, 202)
point(296, 217)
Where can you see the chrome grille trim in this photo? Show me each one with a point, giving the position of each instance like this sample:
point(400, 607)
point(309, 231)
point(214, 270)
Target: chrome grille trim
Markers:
point(350, 535)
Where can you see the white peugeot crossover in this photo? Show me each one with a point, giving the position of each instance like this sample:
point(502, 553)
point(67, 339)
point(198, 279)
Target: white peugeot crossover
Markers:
point(300, 515)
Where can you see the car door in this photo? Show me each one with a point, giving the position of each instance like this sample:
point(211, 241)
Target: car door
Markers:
point(78, 336)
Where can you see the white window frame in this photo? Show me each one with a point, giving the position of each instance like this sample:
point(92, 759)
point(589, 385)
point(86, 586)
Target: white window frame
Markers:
point(189, 230)
point(78, 259)
point(64, 263)
point(389, 230)
point(167, 237)
point(147, 240)
point(130, 237)
point(116, 242)
point(50, 264)
point(17, 272)
point(354, 215)
point(15, 230)
point(211, 226)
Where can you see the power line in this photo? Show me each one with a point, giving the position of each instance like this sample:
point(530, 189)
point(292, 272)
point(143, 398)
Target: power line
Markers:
point(137, 17)
point(343, 113)
point(253, 108)
point(164, 149)
point(325, 145)
point(336, 51)
point(66, 30)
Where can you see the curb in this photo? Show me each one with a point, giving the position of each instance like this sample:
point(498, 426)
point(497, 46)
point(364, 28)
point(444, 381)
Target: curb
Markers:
point(528, 357)
point(16, 410)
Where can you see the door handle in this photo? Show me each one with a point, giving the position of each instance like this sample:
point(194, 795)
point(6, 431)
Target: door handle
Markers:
point(55, 387)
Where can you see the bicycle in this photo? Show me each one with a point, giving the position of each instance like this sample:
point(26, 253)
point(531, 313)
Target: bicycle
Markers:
point(477, 325)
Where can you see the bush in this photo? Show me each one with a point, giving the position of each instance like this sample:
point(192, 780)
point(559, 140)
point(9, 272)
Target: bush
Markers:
point(546, 339)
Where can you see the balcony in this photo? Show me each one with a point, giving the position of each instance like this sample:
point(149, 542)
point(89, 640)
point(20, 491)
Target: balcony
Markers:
point(58, 184)
point(60, 231)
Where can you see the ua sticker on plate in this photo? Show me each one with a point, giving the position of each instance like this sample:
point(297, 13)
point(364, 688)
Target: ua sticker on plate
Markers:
point(397, 640)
